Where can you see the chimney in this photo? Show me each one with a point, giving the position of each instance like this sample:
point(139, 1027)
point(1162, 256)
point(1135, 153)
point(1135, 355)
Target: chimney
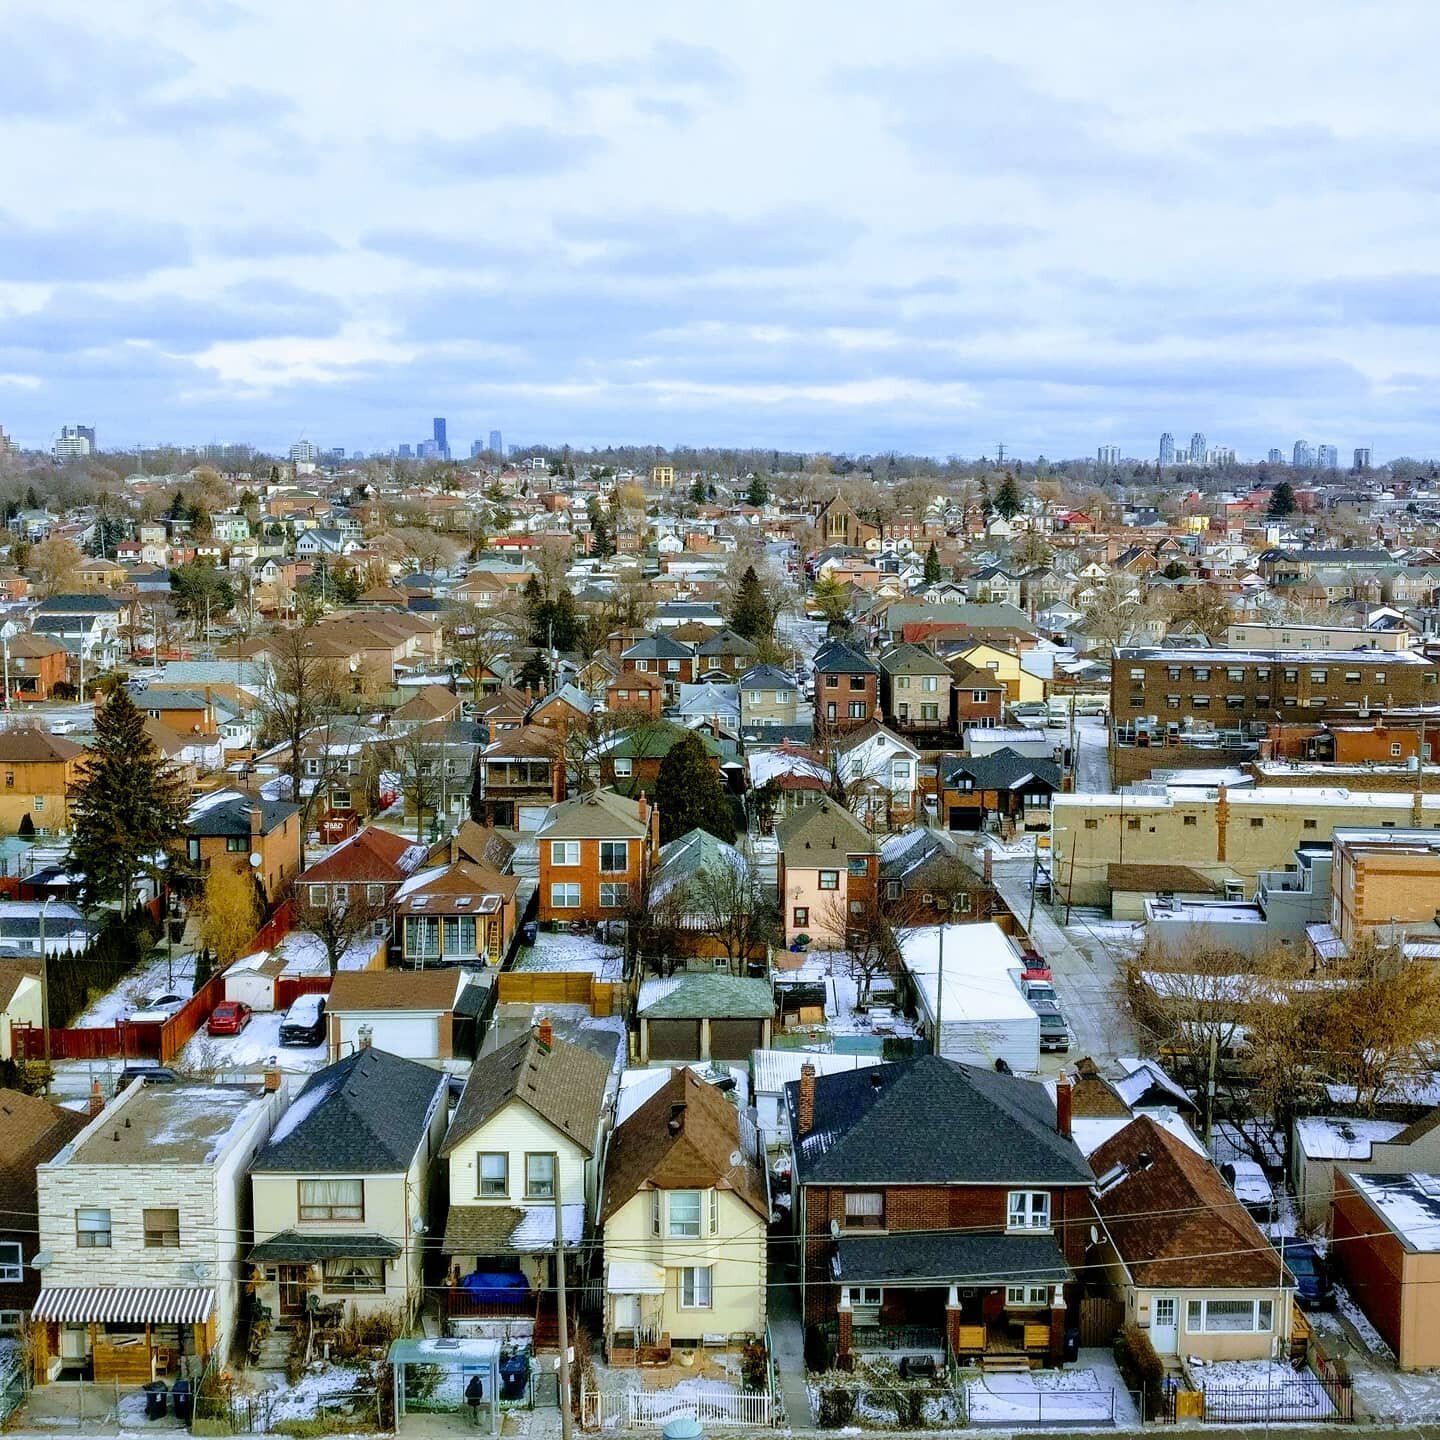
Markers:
point(256, 819)
point(805, 1105)
point(545, 1034)
point(1064, 1100)
point(97, 1100)
point(454, 847)
point(272, 1081)
point(642, 806)
point(989, 864)
point(557, 778)
point(676, 1123)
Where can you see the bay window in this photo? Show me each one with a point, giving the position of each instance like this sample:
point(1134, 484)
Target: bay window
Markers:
point(351, 1275)
point(684, 1212)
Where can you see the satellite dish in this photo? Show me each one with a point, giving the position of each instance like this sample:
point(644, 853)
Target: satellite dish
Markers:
point(419, 1226)
point(737, 1158)
point(834, 1229)
point(1094, 1234)
point(256, 860)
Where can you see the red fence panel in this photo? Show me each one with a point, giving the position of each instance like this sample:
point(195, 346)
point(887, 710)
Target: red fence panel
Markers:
point(175, 1033)
point(289, 988)
point(276, 928)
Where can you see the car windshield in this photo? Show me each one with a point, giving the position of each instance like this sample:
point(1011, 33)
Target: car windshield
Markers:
point(1299, 1262)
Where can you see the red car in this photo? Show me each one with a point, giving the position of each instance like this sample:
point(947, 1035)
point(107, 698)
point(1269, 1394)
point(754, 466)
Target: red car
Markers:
point(229, 1017)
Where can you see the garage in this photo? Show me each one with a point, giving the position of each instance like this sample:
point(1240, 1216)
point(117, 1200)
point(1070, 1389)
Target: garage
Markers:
point(735, 1039)
point(674, 1039)
point(965, 817)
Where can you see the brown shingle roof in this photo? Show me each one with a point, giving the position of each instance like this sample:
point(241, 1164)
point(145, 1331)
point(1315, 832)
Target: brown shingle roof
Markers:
point(600, 815)
point(1175, 1221)
point(394, 990)
point(31, 1131)
point(1144, 878)
point(12, 972)
point(681, 1138)
point(29, 747)
point(564, 1085)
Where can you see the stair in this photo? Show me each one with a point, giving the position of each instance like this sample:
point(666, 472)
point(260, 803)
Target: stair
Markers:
point(1008, 1362)
point(275, 1351)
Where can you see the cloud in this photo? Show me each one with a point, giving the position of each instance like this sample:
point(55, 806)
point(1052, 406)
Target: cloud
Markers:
point(266, 242)
point(511, 152)
point(1403, 300)
point(87, 247)
point(57, 71)
point(1315, 159)
point(435, 251)
point(669, 64)
point(188, 114)
point(983, 234)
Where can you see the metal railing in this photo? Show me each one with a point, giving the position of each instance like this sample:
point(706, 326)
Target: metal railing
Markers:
point(1303, 1396)
point(655, 1409)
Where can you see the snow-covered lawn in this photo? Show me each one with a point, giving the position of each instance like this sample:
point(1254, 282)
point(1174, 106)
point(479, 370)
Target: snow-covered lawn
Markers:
point(306, 1399)
point(832, 967)
point(155, 977)
point(1245, 1390)
point(580, 953)
point(1082, 1396)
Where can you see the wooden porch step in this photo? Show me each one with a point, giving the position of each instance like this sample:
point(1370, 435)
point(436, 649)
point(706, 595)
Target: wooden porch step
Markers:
point(1010, 1362)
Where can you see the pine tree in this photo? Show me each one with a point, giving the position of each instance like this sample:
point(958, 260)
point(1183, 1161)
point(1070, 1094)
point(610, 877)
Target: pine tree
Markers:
point(129, 807)
point(1008, 503)
point(758, 494)
point(602, 542)
point(1282, 501)
point(689, 793)
point(750, 614)
point(697, 491)
point(932, 564)
point(986, 508)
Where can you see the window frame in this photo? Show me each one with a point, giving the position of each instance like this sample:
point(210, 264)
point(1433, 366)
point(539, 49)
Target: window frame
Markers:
point(1027, 1297)
point(619, 894)
point(536, 1188)
point(1029, 1214)
point(560, 852)
point(87, 1238)
point(692, 1274)
point(481, 1193)
point(328, 1210)
point(671, 1220)
point(560, 892)
point(864, 1216)
point(833, 878)
point(611, 868)
point(12, 1272)
point(158, 1236)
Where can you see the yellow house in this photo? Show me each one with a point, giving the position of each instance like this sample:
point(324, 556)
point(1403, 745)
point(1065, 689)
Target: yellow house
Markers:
point(526, 1134)
point(340, 1193)
point(1021, 687)
point(685, 1212)
point(37, 773)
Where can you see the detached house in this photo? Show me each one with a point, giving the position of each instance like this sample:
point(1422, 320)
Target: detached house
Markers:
point(847, 688)
point(38, 772)
point(368, 867)
point(661, 656)
point(247, 833)
point(596, 851)
point(463, 913)
point(948, 1199)
point(767, 697)
point(828, 868)
point(341, 1190)
point(685, 1225)
point(915, 688)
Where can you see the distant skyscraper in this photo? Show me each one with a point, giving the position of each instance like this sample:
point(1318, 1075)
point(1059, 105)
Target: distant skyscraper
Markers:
point(442, 443)
point(1197, 448)
point(497, 445)
point(428, 450)
point(75, 442)
point(5, 441)
point(477, 448)
point(1167, 449)
point(1276, 455)
point(303, 452)
point(405, 452)
point(1108, 455)
point(1222, 455)
point(1362, 454)
point(1302, 454)
point(1328, 457)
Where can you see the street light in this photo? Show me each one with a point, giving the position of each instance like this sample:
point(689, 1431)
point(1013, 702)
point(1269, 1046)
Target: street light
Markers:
point(8, 631)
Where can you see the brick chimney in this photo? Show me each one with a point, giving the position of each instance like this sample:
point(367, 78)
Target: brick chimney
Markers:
point(97, 1100)
point(545, 1034)
point(1064, 1102)
point(272, 1081)
point(642, 807)
point(557, 778)
point(989, 864)
point(257, 817)
point(805, 1103)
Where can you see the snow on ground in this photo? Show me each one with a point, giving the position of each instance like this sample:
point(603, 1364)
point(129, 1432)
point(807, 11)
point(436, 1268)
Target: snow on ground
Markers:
point(581, 953)
point(155, 977)
point(1360, 1322)
point(1090, 1394)
point(843, 992)
point(1020, 845)
point(304, 953)
point(1238, 1390)
point(257, 1045)
point(304, 1400)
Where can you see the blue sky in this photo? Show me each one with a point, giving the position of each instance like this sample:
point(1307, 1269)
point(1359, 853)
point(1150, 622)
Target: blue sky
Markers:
point(920, 226)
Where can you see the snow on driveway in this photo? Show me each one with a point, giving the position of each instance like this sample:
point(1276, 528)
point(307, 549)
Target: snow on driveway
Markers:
point(1082, 1396)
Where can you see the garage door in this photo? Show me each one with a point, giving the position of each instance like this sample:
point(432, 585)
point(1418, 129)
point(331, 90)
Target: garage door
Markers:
point(734, 1039)
point(530, 817)
point(965, 817)
point(410, 1035)
point(674, 1039)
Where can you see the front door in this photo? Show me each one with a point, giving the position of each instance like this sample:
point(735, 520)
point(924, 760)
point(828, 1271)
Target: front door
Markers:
point(1164, 1324)
point(627, 1311)
point(293, 1284)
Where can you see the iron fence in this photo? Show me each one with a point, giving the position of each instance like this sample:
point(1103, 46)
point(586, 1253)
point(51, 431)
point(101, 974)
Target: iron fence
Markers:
point(1302, 1396)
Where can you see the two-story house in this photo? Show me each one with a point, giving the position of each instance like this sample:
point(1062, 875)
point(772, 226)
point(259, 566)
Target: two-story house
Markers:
point(635, 693)
point(977, 697)
point(915, 688)
point(943, 1200)
point(880, 772)
point(768, 696)
point(529, 1126)
point(828, 866)
point(463, 913)
point(518, 775)
point(340, 1193)
point(36, 665)
point(685, 1211)
point(38, 772)
point(668, 659)
point(251, 835)
point(143, 1217)
point(847, 688)
point(724, 656)
point(596, 852)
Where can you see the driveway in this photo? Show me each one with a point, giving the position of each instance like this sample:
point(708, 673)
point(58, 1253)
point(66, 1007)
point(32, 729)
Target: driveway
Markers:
point(787, 1336)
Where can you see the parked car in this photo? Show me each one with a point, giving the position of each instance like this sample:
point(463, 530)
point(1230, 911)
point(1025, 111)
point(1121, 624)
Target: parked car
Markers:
point(149, 1073)
point(1313, 1287)
point(1252, 1188)
point(1040, 992)
point(1037, 967)
point(304, 1022)
point(1054, 1032)
point(229, 1017)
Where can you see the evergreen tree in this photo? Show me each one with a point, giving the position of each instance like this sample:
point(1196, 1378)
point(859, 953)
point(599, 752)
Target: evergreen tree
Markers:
point(932, 564)
point(697, 491)
point(750, 613)
point(1008, 503)
point(32, 500)
point(129, 806)
point(689, 793)
point(758, 494)
point(1282, 501)
point(986, 508)
point(602, 541)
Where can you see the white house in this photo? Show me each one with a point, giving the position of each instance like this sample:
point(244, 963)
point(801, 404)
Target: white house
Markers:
point(876, 759)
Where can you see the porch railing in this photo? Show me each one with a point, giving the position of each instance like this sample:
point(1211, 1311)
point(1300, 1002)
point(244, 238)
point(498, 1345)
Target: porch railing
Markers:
point(655, 1409)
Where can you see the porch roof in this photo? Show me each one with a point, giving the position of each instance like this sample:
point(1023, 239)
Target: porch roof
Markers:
point(634, 1277)
point(126, 1304)
point(509, 1229)
point(293, 1245)
point(967, 1259)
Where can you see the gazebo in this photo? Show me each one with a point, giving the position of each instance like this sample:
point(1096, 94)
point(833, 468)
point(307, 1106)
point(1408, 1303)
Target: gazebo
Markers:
point(433, 1375)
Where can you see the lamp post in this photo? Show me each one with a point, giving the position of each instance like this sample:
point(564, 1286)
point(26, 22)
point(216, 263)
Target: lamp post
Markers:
point(8, 631)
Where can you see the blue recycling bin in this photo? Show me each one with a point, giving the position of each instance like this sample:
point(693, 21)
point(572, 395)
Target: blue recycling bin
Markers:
point(514, 1373)
point(156, 1392)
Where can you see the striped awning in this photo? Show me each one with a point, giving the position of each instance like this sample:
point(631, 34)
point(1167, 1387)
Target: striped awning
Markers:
point(126, 1304)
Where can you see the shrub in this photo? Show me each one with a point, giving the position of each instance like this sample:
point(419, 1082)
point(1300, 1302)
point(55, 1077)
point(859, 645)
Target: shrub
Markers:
point(1142, 1368)
point(754, 1366)
point(819, 1351)
point(837, 1406)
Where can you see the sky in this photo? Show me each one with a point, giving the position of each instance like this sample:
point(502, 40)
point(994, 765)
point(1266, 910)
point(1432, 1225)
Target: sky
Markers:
point(927, 227)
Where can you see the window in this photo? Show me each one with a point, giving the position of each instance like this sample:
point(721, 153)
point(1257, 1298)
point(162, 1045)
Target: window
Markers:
point(857, 864)
point(1138, 675)
point(801, 915)
point(832, 682)
point(1202, 672)
point(1379, 677)
point(350, 1275)
point(375, 894)
point(332, 1199)
point(695, 1287)
point(340, 799)
point(857, 709)
point(757, 697)
point(92, 1229)
point(235, 844)
point(714, 1212)
point(829, 879)
point(903, 682)
point(162, 1229)
point(624, 768)
point(39, 803)
point(929, 684)
point(684, 1213)
point(1028, 1210)
point(1256, 823)
point(564, 852)
point(12, 1262)
point(1291, 676)
point(1209, 1316)
point(10, 1321)
point(865, 1210)
point(1092, 824)
point(1173, 671)
point(1132, 823)
point(929, 712)
point(1028, 1296)
point(654, 1212)
point(565, 897)
point(857, 682)
point(493, 1169)
point(980, 697)
point(540, 1176)
point(1395, 747)
point(1234, 702)
point(1233, 674)
point(614, 895)
point(422, 937)
point(1172, 702)
point(317, 895)
point(1352, 677)
point(614, 857)
point(1190, 821)
point(1318, 677)
point(1263, 673)
point(342, 895)
point(1308, 824)
point(1200, 702)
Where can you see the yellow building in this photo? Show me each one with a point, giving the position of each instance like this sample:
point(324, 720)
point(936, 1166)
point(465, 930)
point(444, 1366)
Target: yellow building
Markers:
point(1386, 878)
point(37, 773)
point(663, 477)
point(685, 1215)
point(1021, 687)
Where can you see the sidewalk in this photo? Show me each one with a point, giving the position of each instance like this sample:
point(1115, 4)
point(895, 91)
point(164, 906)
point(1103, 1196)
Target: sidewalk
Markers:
point(787, 1336)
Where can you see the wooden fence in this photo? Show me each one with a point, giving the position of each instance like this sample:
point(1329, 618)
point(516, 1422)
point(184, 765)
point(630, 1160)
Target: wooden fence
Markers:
point(289, 988)
point(1100, 1320)
point(558, 987)
point(275, 929)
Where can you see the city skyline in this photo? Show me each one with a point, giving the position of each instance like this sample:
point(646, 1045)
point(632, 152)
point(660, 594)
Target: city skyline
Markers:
point(627, 244)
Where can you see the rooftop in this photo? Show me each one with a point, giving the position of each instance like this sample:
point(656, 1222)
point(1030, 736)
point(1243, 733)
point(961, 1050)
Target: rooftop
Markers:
point(1408, 1203)
point(167, 1125)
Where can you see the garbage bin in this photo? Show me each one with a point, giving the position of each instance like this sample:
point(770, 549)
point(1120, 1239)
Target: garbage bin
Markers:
point(155, 1393)
point(683, 1427)
point(1072, 1346)
point(182, 1400)
point(514, 1372)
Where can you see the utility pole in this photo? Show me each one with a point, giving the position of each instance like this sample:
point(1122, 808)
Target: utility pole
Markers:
point(44, 981)
point(564, 1319)
point(1000, 453)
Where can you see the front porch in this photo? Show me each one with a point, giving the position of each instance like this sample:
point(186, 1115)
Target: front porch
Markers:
point(635, 1314)
point(127, 1335)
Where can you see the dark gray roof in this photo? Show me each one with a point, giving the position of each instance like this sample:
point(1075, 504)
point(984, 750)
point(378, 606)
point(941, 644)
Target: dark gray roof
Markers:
point(727, 642)
point(1004, 769)
point(963, 1259)
point(78, 605)
point(232, 816)
point(657, 647)
point(293, 1245)
point(841, 659)
point(766, 677)
point(365, 1114)
point(933, 1121)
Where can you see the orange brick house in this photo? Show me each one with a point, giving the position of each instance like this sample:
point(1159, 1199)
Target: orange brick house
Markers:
point(635, 693)
point(37, 664)
point(228, 827)
point(596, 853)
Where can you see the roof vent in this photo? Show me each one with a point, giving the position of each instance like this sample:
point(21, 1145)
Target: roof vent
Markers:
point(1144, 1160)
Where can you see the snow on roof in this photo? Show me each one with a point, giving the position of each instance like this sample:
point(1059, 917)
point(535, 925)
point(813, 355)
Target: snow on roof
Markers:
point(310, 1100)
point(637, 1086)
point(1090, 1132)
point(765, 765)
point(1329, 1137)
point(1142, 1075)
point(1409, 1204)
point(981, 965)
point(773, 1070)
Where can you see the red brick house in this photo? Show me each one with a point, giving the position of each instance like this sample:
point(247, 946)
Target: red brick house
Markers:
point(668, 659)
point(976, 697)
point(847, 688)
point(635, 693)
point(370, 866)
point(37, 664)
point(596, 853)
point(943, 1208)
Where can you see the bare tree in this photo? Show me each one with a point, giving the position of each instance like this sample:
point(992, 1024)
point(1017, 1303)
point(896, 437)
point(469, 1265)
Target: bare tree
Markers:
point(339, 922)
point(418, 759)
point(477, 637)
point(731, 906)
